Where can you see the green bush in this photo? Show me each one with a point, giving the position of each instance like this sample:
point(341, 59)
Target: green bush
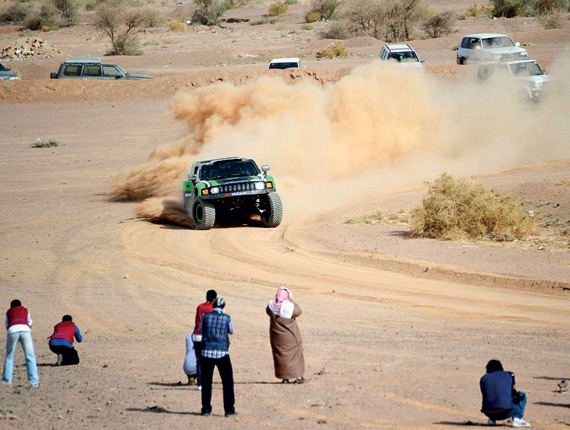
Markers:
point(479, 11)
point(277, 8)
point(325, 8)
point(208, 12)
point(457, 209)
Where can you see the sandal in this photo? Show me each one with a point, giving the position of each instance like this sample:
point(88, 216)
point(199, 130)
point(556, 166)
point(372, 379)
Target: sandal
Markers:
point(285, 381)
point(300, 380)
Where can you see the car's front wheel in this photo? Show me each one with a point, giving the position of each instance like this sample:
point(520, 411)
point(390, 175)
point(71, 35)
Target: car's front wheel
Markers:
point(203, 215)
point(273, 213)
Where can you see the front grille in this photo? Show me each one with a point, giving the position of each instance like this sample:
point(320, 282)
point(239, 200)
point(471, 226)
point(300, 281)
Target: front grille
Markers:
point(233, 188)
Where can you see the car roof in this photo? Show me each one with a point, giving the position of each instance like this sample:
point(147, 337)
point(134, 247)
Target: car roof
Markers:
point(219, 159)
point(399, 47)
point(285, 60)
point(486, 35)
point(90, 60)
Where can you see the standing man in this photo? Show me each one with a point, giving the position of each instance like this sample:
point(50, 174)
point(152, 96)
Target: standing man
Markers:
point(202, 309)
point(19, 326)
point(61, 341)
point(216, 328)
point(501, 400)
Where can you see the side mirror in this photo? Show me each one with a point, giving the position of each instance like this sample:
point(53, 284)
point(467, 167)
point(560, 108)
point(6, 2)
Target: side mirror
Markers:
point(192, 177)
point(265, 168)
point(53, 75)
point(422, 60)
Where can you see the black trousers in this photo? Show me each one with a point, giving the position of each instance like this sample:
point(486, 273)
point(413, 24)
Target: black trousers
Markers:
point(224, 366)
point(70, 355)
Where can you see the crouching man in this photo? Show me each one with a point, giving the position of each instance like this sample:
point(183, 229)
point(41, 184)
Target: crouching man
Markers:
point(61, 341)
point(501, 400)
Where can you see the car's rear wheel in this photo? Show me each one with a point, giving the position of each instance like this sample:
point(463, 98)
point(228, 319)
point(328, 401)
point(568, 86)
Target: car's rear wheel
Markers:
point(203, 215)
point(273, 213)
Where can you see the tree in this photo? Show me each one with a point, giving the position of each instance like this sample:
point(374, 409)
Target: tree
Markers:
point(120, 23)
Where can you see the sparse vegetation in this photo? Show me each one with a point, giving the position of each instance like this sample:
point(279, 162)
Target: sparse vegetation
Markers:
point(379, 217)
point(177, 26)
point(334, 50)
point(391, 21)
point(322, 10)
point(40, 143)
point(552, 19)
point(458, 209)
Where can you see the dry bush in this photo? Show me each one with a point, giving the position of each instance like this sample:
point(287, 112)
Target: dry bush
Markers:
point(334, 50)
point(456, 209)
point(480, 11)
point(326, 9)
point(338, 30)
point(312, 16)
point(277, 8)
point(15, 13)
point(177, 26)
point(554, 19)
point(439, 24)
point(209, 12)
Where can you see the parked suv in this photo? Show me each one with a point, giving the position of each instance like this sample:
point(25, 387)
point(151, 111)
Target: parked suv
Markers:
point(402, 53)
point(526, 74)
point(234, 188)
point(489, 47)
point(92, 68)
point(7, 75)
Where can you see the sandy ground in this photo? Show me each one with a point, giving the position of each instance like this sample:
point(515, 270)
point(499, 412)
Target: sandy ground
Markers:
point(397, 331)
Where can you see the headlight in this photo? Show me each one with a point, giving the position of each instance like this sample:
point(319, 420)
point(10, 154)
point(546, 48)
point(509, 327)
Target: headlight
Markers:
point(259, 186)
point(214, 190)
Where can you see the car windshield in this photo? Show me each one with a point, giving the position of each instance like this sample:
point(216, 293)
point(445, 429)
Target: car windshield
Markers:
point(498, 42)
point(404, 56)
point(521, 70)
point(228, 169)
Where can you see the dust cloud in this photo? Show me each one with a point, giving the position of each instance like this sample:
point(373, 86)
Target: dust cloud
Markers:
point(375, 129)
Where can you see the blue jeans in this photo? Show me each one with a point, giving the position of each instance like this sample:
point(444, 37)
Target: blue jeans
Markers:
point(24, 338)
point(520, 404)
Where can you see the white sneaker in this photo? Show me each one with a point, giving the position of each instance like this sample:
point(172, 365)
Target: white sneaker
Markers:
point(491, 422)
point(520, 423)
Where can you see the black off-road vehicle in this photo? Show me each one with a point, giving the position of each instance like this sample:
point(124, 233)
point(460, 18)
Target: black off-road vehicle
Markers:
point(234, 188)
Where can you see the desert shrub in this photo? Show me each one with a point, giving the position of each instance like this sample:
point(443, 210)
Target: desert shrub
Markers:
point(480, 11)
point(67, 11)
point(334, 50)
point(336, 30)
point(312, 16)
point(325, 8)
point(306, 27)
point(177, 26)
point(439, 24)
point(152, 18)
point(551, 20)
point(120, 22)
point(277, 8)
point(291, 2)
point(457, 208)
point(512, 8)
point(208, 12)
point(15, 13)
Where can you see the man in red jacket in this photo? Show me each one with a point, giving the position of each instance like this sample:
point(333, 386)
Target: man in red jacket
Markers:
point(202, 309)
point(61, 341)
point(19, 326)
